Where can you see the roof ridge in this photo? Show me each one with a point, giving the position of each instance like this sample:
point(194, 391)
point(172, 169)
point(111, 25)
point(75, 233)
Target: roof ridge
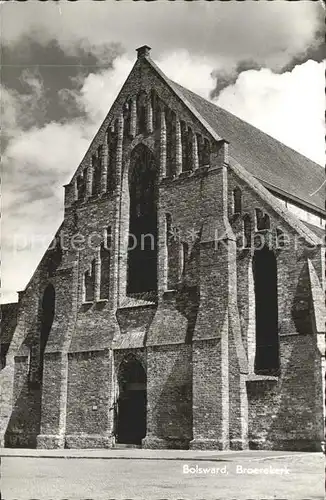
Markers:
point(191, 108)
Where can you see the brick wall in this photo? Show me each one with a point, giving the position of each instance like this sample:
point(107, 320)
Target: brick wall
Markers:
point(284, 412)
point(89, 420)
point(196, 337)
point(169, 396)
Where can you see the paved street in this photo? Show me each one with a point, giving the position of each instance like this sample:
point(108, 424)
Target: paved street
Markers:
point(171, 475)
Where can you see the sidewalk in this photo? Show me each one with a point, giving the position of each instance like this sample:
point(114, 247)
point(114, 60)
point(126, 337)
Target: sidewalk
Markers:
point(147, 454)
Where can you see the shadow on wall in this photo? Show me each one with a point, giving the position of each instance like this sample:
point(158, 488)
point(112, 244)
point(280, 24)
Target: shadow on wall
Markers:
point(302, 304)
point(187, 303)
point(173, 408)
point(8, 326)
point(287, 413)
point(25, 421)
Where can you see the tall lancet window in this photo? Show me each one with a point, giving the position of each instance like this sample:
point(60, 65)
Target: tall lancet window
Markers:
point(142, 250)
point(81, 186)
point(127, 117)
point(267, 338)
point(170, 142)
point(237, 200)
point(96, 162)
point(141, 112)
point(185, 147)
point(105, 255)
point(89, 283)
point(155, 110)
point(112, 144)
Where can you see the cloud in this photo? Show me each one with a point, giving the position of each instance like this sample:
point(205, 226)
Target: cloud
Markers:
point(270, 33)
point(195, 73)
point(96, 93)
point(288, 106)
point(22, 110)
point(38, 160)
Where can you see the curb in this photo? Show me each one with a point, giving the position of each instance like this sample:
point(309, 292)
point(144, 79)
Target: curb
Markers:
point(80, 457)
point(229, 457)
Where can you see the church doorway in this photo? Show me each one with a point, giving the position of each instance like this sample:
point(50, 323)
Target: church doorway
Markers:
point(131, 404)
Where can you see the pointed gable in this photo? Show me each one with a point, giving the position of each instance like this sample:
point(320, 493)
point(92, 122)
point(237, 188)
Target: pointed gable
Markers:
point(283, 171)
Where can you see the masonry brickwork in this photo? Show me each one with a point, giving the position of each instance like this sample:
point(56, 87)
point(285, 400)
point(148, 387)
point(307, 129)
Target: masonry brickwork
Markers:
point(194, 335)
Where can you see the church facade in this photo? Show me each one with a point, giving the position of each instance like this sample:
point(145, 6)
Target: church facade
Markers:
point(180, 304)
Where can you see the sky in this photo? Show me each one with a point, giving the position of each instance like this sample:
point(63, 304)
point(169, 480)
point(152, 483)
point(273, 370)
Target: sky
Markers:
point(63, 64)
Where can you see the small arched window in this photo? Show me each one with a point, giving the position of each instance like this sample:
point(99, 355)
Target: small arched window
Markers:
point(105, 256)
point(267, 222)
point(89, 283)
point(259, 219)
point(81, 186)
point(237, 200)
point(262, 220)
point(206, 152)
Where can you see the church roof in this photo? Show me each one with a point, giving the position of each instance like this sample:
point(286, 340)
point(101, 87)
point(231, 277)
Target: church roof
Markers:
point(319, 231)
point(282, 170)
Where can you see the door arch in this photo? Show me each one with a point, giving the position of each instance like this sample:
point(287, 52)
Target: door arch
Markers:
point(132, 400)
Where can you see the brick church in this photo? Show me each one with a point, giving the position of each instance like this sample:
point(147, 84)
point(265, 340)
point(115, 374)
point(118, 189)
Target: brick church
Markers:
point(180, 304)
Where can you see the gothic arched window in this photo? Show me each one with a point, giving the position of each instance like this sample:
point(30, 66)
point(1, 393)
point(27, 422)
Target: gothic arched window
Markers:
point(155, 110)
point(105, 257)
point(262, 220)
point(127, 117)
point(142, 253)
point(185, 147)
point(112, 145)
point(266, 301)
point(170, 142)
point(96, 163)
point(81, 186)
point(89, 283)
point(141, 112)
